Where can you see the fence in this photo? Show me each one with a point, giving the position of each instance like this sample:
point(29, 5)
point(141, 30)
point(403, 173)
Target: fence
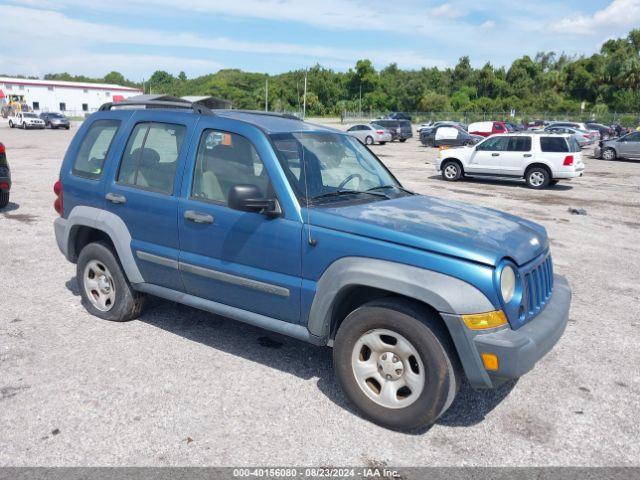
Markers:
point(626, 119)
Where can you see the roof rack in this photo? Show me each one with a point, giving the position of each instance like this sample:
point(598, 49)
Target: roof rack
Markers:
point(288, 116)
point(150, 104)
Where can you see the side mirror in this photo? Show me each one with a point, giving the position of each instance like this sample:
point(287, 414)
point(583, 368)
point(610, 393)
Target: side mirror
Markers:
point(248, 198)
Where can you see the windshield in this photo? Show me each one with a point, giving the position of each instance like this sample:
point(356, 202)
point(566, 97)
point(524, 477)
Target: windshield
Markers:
point(334, 163)
point(29, 115)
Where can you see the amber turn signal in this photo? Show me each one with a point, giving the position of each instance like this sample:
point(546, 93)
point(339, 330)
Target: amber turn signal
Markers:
point(490, 361)
point(482, 321)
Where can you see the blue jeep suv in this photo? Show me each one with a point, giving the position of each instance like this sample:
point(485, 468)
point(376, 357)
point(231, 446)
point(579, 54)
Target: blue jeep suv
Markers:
point(300, 229)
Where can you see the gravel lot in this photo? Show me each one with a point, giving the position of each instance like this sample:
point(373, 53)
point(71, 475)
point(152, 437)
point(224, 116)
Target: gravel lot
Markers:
point(182, 387)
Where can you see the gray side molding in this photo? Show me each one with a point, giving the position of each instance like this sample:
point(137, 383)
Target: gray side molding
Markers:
point(444, 293)
point(109, 223)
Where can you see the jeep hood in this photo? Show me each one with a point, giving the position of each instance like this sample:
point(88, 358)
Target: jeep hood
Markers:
point(451, 228)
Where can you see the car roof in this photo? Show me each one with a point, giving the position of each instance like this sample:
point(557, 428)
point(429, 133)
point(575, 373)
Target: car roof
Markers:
point(268, 122)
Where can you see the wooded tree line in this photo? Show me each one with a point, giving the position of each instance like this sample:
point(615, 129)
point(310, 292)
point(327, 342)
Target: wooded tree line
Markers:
point(607, 81)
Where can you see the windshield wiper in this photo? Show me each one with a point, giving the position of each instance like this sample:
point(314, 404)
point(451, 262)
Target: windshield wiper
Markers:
point(386, 187)
point(338, 193)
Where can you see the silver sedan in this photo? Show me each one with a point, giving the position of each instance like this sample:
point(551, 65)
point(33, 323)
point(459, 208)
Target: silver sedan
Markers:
point(370, 134)
point(583, 137)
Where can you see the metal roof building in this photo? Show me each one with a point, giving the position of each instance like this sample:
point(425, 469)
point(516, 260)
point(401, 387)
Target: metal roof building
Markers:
point(72, 98)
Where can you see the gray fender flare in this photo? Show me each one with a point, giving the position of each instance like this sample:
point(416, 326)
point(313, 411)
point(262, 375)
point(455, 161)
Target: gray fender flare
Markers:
point(109, 223)
point(444, 293)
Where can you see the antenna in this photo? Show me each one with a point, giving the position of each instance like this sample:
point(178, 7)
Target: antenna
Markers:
point(311, 240)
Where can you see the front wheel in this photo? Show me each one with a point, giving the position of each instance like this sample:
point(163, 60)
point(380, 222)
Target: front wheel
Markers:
point(105, 291)
point(537, 177)
point(11, 124)
point(609, 154)
point(394, 362)
point(451, 171)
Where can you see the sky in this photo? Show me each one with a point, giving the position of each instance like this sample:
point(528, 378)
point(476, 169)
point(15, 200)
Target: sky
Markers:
point(138, 37)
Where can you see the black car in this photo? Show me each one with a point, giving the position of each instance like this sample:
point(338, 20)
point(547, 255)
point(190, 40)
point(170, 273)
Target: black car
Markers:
point(55, 120)
point(400, 129)
point(5, 177)
point(448, 135)
point(399, 116)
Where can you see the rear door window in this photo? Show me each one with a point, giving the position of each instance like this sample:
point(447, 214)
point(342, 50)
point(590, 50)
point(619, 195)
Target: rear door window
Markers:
point(94, 149)
point(554, 145)
point(151, 156)
point(519, 144)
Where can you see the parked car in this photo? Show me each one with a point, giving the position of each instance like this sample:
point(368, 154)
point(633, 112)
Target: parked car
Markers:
point(441, 123)
point(605, 132)
point(627, 146)
point(583, 137)
point(55, 120)
point(400, 129)
point(535, 125)
point(399, 116)
point(541, 159)
point(25, 120)
point(370, 134)
point(300, 229)
point(5, 177)
point(448, 135)
point(486, 129)
point(594, 134)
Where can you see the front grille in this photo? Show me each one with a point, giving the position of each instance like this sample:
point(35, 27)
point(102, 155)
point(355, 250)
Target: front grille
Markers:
point(538, 286)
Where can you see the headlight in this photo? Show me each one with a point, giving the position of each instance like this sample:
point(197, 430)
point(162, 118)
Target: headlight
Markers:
point(507, 283)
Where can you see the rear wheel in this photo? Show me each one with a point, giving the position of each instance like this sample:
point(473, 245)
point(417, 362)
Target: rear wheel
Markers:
point(4, 199)
point(451, 171)
point(105, 291)
point(394, 363)
point(368, 140)
point(402, 140)
point(537, 177)
point(609, 154)
point(11, 124)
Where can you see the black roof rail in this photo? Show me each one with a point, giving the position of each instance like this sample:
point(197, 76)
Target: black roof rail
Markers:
point(288, 116)
point(197, 108)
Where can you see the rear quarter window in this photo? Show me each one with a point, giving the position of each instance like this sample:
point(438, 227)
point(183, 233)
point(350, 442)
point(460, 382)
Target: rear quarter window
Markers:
point(94, 149)
point(554, 144)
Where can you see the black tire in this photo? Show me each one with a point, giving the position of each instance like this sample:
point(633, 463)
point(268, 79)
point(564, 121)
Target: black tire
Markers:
point(537, 178)
point(382, 143)
point(402, 140)
point(4, 199)
point(11, 125)
point(368, 140)
point(430, 340)
point(67, 127)
point(451, 171)
point(128, 303)
point(609, 154)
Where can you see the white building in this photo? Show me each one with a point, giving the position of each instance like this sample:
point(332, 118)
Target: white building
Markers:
point(73, 98)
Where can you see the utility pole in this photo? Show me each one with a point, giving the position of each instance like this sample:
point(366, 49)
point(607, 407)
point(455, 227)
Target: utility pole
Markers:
point(304, 97)
point(266, 94)
point(360, 99)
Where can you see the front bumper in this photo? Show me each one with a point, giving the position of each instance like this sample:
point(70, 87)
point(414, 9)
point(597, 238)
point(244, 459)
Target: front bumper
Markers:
point(517, 350)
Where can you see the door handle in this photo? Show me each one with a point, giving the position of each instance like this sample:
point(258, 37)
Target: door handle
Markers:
point(527, 155)
point(198, 217)
point(495, 154)
point(115, 198)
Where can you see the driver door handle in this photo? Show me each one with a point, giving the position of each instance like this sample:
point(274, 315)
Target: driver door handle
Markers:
point(115, 198)
point(527, 155)
point(197, 217)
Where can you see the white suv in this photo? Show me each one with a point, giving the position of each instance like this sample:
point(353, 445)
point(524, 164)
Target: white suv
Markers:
point(541, 159)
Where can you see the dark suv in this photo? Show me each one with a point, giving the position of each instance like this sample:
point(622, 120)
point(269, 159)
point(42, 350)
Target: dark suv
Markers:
point(5, 177)
point(400, 129)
